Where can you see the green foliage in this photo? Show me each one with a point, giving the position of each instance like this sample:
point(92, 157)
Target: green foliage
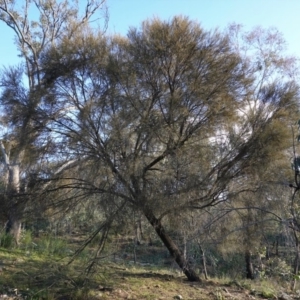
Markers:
point(7, 240)
point(26, 239)
point(268, 294)
point(278, 267)
point(50, 245)
point(296, 277)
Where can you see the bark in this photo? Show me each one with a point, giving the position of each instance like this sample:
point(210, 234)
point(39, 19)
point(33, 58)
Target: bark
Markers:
point(203, 261)
point(267, 253)
point(249, 266)
point(138, 232)
point(296, 261)
point(13, 225)
point(171, 246)
point(12, 178)
point(277, 248)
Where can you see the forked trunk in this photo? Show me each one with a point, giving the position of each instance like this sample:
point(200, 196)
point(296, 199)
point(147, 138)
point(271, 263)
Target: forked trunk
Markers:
point(172, 247)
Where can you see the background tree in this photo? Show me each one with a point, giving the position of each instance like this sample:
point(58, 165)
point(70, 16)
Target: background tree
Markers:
point(27, 106)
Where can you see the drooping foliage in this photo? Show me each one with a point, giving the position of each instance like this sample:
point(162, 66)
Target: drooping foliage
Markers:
point(172, 118)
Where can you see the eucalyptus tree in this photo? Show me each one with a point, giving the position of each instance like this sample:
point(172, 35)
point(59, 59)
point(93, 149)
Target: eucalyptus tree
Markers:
point(148, 113)
point(26, 102)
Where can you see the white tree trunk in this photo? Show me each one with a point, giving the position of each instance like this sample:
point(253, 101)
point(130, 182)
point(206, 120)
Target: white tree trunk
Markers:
point(12, 178)
point(13, 225)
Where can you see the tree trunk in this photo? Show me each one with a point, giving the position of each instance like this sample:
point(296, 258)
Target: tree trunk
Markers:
point(203, 261)
point(249, 266)
point(277, 247)
point(267, 253)
point(138, 232)
point(296, 260)
point(13, 225)
point(171, 246)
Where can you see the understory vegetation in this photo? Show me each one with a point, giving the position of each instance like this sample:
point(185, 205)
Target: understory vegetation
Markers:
point(41, 268)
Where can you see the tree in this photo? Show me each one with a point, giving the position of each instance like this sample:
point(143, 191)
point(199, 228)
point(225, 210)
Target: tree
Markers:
point(26, 98)
point(147, 113)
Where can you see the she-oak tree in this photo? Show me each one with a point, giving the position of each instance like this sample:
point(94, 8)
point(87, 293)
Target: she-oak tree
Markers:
point(147, 114)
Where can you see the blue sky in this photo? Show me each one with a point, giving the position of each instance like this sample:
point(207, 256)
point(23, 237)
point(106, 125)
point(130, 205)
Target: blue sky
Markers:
point(282, 14)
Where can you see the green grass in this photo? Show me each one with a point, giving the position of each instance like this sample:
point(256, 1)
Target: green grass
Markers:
point(6, 240)
point(39, 269)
